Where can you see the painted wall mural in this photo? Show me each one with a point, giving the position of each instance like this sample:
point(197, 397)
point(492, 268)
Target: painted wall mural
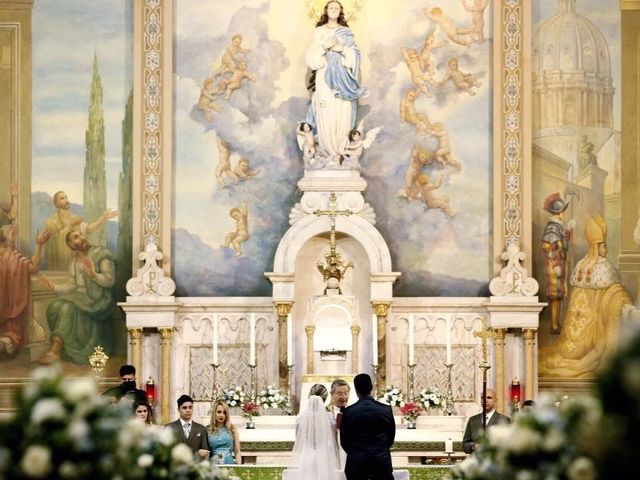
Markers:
point(576, 201)
point(60, 302)
point(243, 138)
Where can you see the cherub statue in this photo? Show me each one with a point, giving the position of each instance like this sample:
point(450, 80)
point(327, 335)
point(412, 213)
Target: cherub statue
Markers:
point(408, 112)
point(307, 143)
point(443, 154)
point(243, 171)
point(353, 149)
point(228, 85)
point(427, 189)
point(418, 77)
point(419, 157)
point(462, 81)
point(333, 271)
point(229, 62)
point(447, 26)
point(206, 101)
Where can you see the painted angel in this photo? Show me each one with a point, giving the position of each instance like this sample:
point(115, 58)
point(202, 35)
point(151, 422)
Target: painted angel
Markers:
point(355, 146)
point(306, 142)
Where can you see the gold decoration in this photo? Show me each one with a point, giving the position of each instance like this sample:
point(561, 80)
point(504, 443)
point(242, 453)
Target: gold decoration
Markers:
point(485, 334)
point(315, 8)
point(98, 359)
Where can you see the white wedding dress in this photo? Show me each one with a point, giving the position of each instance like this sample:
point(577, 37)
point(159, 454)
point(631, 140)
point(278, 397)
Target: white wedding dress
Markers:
point(315, 454)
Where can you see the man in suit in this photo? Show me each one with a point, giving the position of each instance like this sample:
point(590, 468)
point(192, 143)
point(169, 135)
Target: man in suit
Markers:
point(127, 388)
point(188, 431)
point(367, 432)
point(474, 429)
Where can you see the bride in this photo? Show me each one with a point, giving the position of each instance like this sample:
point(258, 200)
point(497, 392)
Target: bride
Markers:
point(315, 454)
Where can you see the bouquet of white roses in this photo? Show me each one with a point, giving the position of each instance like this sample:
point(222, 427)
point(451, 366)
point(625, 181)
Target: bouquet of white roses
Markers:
point(431, 398)
point(270, 397)
point(392, 396)
point(235, 396)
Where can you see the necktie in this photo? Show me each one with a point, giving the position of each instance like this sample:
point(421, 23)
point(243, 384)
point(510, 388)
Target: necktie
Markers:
point(187, 430)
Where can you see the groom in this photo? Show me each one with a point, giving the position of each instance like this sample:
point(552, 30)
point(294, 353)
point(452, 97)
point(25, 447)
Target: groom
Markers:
point(367, 431)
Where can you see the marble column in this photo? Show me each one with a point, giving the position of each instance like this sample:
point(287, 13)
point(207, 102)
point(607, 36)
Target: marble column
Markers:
point(529, 346)
point(355, 334)
point(283, 309)
point(310, 330)
point(381, 310)
point(135, 335)
point(165, 373)
point(499, 337)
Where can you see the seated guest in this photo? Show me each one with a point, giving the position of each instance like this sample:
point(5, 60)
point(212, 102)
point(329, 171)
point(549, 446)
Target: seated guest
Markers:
point(474, 430)
point(224, 439)
point(143, 410)
point(127, 388)
point(188, 431)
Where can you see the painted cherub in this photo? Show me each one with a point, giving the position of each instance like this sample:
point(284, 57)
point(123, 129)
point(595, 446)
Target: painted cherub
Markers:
point(351, 152)
point(408, 112)
point(418, 77)
point(206, 101)
point(230, 60)
point(306, 142)
point(427, 189)
point(462, 81)
point(241, 234)
point(443, 154)
point(428, 64)
point(477, 18)
point(243, 171)
point(447, 26)
point(419, 158)
point(224, 163)
point(228, 85)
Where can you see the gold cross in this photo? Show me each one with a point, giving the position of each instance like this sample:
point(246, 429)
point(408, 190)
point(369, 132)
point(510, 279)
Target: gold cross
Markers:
point(485, 334)
point(332, 212)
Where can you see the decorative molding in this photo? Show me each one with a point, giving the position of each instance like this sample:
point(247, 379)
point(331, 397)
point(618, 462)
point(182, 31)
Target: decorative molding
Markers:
point(150, 280)
point(514, 279)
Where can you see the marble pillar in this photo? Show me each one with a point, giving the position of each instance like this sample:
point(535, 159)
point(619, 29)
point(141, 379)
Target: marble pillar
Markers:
point(382, 310)
point(165, 373)
point(355, 355)
point(529, 335)
point(310, 330)
point(283, 309)
point(135, 336)
point(499, 341)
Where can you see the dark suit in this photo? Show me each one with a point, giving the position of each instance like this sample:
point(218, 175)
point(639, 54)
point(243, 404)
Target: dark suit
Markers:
point(473, 432)
point(198, 437)
point(367, 431)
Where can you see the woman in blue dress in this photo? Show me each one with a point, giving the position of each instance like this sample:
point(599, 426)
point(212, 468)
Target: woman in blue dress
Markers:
point(223, 436)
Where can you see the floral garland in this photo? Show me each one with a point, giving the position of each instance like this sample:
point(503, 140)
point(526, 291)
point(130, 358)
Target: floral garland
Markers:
point(431, 398)
point(393, 396)
point(64, 429)
point(270, 397)
point(235, 396)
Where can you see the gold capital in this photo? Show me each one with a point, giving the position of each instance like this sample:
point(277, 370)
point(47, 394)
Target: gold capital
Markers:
point(283, 308)
point(381, 309)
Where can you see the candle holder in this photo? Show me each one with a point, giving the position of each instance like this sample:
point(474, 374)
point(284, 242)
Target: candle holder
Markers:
point(412, 393)
point(288, 406)
point(375, 378)
point(214, 385)
point(450, 409)
point(252, 395)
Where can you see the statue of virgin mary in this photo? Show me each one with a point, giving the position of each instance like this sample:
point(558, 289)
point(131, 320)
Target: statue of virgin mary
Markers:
point(334, 58)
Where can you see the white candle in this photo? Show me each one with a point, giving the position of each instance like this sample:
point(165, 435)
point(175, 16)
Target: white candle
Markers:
point(215, 339)
point(289, 340)
point(448, 446)
point(412, 352)
point(448, 337)
point(252, 340)
point(374, 339)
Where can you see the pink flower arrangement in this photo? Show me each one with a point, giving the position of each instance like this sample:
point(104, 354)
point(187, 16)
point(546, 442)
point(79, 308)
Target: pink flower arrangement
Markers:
point(250, 410)
point(410, 411)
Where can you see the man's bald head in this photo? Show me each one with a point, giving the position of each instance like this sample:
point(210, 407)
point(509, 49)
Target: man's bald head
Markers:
point(491, 399)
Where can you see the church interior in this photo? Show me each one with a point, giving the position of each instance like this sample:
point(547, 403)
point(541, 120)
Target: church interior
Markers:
point(445, 198)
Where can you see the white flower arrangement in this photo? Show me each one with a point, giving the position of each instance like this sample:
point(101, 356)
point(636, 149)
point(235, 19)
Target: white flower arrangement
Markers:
point(63, 430)
point(392, 396)
point(431, 398)
point(270, 397)
point(235, 396)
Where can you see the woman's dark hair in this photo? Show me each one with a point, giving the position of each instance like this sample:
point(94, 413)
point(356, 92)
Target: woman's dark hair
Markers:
point(325, 18)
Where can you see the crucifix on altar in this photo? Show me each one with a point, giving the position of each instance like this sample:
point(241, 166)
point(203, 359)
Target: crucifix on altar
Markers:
point(485, 334)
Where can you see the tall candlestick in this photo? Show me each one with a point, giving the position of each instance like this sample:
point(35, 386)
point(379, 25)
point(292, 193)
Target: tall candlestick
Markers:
point(412, 351)
point(448, 337)
point(289, 340)
point(374, 338)
point(215, 339)
point(252, 340)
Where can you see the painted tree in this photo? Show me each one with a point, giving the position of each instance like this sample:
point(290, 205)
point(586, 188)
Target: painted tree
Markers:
point(125, 207)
